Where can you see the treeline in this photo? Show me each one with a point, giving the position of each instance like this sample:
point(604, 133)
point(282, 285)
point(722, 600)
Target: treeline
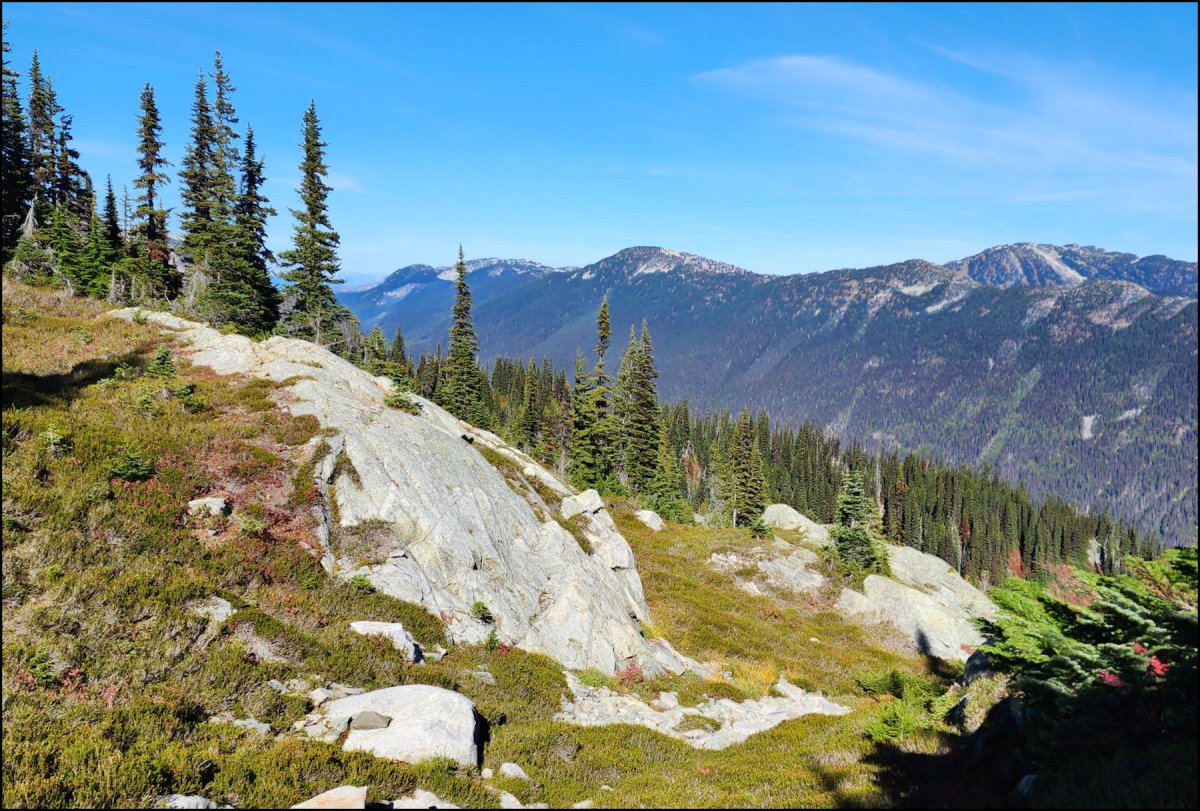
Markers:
point(58, 229)
point(609, 432)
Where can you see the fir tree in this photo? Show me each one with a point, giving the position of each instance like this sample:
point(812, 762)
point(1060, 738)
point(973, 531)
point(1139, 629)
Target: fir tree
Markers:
point(112, 226)
point(665, 491)
point(63, 240)
point(72, 186)
point(397, 355)
point(43, 108)
point(854, 545)
point(250, 235)
point(584, 465)
point(312, 261)
point(641, 419)
point(748, 486)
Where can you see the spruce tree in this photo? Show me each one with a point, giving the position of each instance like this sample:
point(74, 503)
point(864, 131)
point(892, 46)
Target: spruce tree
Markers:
point(854, 545)
point(397, 355)
point(665, 491)
point(43, 108)
point(746, 474)
point(72, 186)
point(583, 464)
point(312, 262)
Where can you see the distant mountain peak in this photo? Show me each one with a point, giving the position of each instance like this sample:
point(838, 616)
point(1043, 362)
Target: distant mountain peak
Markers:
point(648, 259)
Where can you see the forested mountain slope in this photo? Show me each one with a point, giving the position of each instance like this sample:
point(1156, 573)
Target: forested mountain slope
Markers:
point(1085, 390)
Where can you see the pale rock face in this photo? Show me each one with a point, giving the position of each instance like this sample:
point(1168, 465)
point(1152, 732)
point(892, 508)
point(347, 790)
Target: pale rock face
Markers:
point(586, 502)
point(456, 532)
point(931, 605)
point(781, 516)
point(426, 722)
point(340, 797)
point(513, 770)
point(651, 519)
point(211, 505)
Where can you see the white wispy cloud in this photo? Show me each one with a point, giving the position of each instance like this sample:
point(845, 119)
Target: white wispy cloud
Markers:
point(1060, 128)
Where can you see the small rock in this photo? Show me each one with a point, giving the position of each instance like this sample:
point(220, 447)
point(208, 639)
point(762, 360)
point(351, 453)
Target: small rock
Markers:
point(189, 801)
point(583, 804)
point(216, 609)
point(486, 774)
point(606, 787)
point(401, 639)
point(483, 676)
point(344, 689)
point(513, 770)
point(340, 797)
point(509, 801)
point(214, 506)
point(651, 519)
point(254, 725)
point(320, 695)
point(276, 685)
point(369, 719)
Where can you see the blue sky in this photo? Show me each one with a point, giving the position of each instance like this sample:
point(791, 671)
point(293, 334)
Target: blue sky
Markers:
point(783, 139)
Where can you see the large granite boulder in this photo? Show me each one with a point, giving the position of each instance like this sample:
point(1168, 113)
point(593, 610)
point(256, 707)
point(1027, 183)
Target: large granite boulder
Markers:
point(927, 601)
point(781, 516)
point(446, 528)
point(425, 722)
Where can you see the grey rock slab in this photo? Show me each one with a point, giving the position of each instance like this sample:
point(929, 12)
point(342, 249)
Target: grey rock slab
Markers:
point(588, 501)
point(369, 719)
point(254, 725)
point(217, 609)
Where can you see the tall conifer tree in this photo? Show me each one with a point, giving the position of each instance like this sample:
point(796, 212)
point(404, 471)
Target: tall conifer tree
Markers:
point(14, 155)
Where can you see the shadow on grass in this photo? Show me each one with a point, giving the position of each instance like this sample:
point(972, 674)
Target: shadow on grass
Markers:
point(22, 390)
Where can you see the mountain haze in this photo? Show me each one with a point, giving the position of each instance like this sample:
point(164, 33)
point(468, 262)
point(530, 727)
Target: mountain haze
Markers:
point(1086, 389)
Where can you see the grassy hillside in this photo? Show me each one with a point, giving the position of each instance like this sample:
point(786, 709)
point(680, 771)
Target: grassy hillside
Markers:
point(110, 677)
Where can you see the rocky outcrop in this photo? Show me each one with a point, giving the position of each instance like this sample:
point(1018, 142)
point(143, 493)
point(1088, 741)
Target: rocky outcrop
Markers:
point(790, 567)
point(927, 601)
point(448, 529)
point(422, 799)
point(781, 516)
point(715, 724)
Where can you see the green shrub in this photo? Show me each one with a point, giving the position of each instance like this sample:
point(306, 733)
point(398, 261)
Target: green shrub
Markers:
point(163, 364)
point(400, 400)
point(131, 465)
point(481, 612)
point(361, 584)
point(492, 642)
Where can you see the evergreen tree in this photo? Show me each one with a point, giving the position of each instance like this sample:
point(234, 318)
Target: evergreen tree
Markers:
point(397, 355)
point(375, 351)
point(665, 491)
point(72, 186)
point(14, 155)
point(584, 464)
point(748, 486)
point(463, 394)
point(112, 227)
point(312, 261)
point(63, 240)
point(854, 546)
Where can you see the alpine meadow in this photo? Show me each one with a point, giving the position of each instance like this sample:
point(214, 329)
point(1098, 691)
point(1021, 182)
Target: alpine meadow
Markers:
point(311, 500)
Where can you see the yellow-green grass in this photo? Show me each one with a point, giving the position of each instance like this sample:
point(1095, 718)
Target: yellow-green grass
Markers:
point(109, 679)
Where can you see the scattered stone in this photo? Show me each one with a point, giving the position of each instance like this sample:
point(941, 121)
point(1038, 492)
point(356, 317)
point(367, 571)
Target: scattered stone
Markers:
point(320, 695)
point(401, 639)
point(342, 690)
point(606, 787)
point(189, 801)
point(340, 797)
point(665, 701)
point(426, 722)
point(254, 725)
point(781, 516)
point(651, 519)
point(211, 505)
point(513, 770)
point(588, 501)
point(216, 609)
point(486, 774)
point(583, 804)
point(483, 676)
point(277, 686)
point(369, 719)
point(422, 799)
